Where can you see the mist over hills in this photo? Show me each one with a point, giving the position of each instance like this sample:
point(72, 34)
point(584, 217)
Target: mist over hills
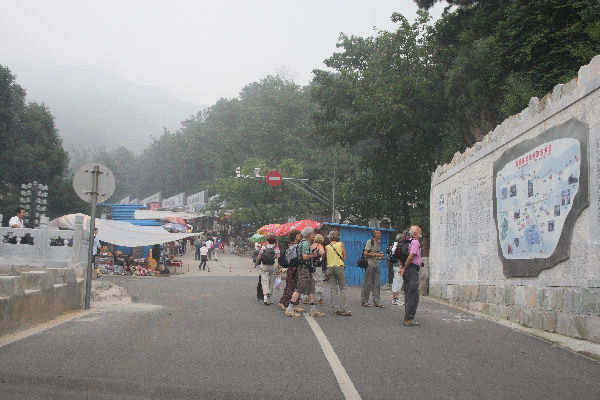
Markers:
point(94, 108)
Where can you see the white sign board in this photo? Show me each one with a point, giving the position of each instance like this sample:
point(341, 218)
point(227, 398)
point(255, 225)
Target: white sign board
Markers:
point(152, 199)
point(198, 198)
point(174, 201)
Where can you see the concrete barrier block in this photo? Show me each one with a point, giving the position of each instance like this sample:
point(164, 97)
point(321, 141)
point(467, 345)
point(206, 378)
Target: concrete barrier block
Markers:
point(572, 301)
point(63, 275)
point(590, 302)
point(482, 295)
point(491, 294)
point(536, 320)
point(549, 321)
point(11, 286)
point(593, 325)
point(509, 295)
point(543, 298)
point(565, 324)
point(520, 296)
point(37, 280)
point(531, 296)
point(499, 295)
point(557, 299)
point(474, 293)
point(580, 327)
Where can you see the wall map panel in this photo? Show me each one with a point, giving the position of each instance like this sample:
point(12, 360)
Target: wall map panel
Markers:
point(540, 187)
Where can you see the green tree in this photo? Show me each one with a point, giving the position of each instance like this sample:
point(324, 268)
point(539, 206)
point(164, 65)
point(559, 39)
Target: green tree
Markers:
point(380, 103)
point(30, 149)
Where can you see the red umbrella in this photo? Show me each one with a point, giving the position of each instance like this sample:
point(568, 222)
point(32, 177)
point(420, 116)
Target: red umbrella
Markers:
point(175, 220)
point(267, 229)
point(285, 229)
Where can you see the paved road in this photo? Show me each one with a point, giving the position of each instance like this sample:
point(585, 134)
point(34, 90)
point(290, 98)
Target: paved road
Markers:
point(207, 337)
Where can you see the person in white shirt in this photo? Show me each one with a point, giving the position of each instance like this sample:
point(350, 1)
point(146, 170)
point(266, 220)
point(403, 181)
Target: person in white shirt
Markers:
point(95, 251)
point(209, 246)
point(203, 257)
point(17, 220)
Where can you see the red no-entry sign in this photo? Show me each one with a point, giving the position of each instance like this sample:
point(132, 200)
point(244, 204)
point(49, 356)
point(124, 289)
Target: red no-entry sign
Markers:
point(274, 178)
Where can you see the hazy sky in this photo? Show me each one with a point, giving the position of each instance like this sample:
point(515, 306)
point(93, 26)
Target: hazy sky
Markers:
point(197, 50)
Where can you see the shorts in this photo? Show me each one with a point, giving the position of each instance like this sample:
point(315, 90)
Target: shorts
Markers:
point(306, 283)
point(398, 280)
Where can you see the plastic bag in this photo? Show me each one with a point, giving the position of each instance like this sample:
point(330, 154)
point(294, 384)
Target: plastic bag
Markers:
point(277, 283)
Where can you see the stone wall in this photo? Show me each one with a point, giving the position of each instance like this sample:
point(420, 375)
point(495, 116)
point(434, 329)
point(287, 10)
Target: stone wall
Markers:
point(470, 263)
point(30, 295)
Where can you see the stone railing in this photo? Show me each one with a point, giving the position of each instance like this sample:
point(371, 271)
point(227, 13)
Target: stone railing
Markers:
point(45, 248)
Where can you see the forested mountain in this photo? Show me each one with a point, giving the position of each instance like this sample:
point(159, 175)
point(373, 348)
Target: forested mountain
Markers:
point(94, 108)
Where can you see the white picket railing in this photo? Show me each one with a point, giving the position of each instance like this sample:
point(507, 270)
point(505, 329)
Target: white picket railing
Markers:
point(46, 250)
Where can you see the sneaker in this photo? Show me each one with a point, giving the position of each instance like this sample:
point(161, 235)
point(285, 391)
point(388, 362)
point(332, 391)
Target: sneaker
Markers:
point(291, 313)
point(269, 301)
point(345, 313)
point(316, 313)
point(394, 302)
point(400, 303)
point(411, 322)
point(320, 302)
point(298, 309)
point(265, 302)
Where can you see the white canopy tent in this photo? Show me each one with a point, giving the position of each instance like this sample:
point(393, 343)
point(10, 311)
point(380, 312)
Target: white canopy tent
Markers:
point(121, 233)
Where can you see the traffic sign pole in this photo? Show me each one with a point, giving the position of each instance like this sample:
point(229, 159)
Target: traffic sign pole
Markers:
point(88, 280)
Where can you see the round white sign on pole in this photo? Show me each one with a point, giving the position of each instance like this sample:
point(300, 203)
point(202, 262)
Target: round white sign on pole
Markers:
point(83, 182)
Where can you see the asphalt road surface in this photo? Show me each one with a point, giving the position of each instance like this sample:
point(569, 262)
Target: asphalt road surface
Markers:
point(207, 337)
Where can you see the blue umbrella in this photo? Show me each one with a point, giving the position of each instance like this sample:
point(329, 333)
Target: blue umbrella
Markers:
point(175, 228)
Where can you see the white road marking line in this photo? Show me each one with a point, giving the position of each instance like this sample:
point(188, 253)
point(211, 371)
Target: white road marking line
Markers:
point(348, 389)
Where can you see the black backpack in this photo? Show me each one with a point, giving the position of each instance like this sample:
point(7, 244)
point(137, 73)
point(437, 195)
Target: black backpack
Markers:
point(402, 250)
point(268, 256)
point(391, 255)
point(291, 256)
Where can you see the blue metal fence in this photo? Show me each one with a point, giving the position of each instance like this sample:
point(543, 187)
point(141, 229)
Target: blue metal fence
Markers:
point(354, 238)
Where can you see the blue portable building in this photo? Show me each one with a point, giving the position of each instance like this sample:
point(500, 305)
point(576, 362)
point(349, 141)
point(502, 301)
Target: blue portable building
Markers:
point(354, 238)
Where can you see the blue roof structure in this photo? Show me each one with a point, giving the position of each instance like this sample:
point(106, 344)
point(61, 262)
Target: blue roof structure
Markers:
point(359, 227)
point(125, 212)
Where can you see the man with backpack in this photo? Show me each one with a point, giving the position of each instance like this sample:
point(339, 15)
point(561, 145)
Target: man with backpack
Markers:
point(291, 262)
point(410, 272)
point(267, 259)
point(370, 285)
point(306, 283)
point(399, 252)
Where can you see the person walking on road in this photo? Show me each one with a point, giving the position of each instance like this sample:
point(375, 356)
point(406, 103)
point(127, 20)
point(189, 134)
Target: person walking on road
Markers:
point(198, 245)
point(267, 259)
point(232, 245)
point(306, 283)
point(320, 262)
point(336, 255)
point(370, 285)
point(203, 257)
point(410, 271)
point(209, 246)
point(291, 278)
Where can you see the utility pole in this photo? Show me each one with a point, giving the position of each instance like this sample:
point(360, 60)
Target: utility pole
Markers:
point(333, 198)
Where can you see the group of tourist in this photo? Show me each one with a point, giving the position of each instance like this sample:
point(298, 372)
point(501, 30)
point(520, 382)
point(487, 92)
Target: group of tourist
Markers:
point(308, 255)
